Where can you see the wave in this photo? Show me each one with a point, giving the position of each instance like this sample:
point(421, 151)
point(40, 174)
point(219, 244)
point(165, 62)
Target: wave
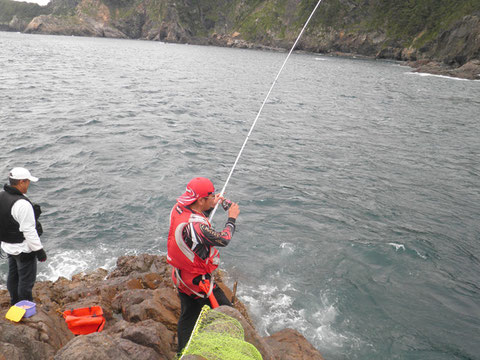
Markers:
point(440, 76)
point(397, 246)
point(67, 263)
point(275, 307)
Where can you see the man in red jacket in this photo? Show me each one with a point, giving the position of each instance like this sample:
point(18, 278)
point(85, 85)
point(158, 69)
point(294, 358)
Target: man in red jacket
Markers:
point(192, 252)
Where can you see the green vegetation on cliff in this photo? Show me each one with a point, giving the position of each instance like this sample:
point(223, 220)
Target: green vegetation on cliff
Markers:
point(24, 11)
point(401, 21)
point(404, 21)
point(200, 16)
point(268, 20)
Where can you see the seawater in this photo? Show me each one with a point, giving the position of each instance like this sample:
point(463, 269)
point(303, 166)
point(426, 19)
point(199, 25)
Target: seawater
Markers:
point(359, 187)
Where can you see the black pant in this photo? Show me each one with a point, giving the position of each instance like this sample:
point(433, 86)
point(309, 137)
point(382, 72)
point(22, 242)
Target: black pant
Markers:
point(190, 309)
point(22, 272)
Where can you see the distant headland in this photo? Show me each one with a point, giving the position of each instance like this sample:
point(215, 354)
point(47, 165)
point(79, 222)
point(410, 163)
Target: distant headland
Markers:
point(436, 37)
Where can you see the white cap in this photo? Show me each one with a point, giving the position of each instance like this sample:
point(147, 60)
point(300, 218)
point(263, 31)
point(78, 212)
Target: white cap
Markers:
point(20, 173)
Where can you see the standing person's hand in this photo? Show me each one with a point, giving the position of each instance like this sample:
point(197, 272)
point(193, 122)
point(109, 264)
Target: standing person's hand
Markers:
point(41, 255)
point(234, 210)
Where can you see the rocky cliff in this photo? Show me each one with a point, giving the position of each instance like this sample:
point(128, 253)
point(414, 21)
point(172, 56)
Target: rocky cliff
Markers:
point(440, 34)
point(141, 308)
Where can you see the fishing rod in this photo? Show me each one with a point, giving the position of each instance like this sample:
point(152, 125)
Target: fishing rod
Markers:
point(261, 108)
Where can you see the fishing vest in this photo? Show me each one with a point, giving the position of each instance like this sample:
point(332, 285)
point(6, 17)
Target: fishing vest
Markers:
point(181, 256)
point(9, 227)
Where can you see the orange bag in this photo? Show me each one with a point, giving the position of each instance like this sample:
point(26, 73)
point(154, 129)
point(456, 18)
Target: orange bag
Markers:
point(84, 321)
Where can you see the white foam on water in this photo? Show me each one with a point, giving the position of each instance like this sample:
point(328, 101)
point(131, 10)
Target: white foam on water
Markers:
point(440, 76)
point(67, 263)
point(288, 247)
point(320, 59)
point(324, 333)
point(401, 65)
point(289, 287)
point(327, 338)
point(397, 246)
point(64, 264)
point(422, 256)
point(273, 308)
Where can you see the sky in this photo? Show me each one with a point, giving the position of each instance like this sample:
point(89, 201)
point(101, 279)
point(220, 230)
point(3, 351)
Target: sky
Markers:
point(39, 2)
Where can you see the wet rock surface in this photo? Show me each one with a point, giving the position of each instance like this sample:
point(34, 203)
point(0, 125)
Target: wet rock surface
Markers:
point(141, 308)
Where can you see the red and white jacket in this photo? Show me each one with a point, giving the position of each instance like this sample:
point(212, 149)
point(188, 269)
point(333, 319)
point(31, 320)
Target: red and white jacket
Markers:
point(191, 247)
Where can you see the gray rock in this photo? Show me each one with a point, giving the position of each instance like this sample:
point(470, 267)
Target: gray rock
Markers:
point(136, 351)
point(10, 352)
point(98, 346)
point(152, 334)
point(16, 24)
point(37, 337)
point(78, 26)
point(289, 344)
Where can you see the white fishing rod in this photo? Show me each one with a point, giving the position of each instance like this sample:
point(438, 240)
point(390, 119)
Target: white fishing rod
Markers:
point(261, 108)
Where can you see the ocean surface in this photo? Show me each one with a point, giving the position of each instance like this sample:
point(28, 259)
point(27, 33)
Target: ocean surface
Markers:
point(359, 187)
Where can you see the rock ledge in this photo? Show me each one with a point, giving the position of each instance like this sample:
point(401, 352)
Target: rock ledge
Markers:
point(141, 308)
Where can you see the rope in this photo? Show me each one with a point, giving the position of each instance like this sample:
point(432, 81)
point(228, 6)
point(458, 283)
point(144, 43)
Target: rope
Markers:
point(261, 108)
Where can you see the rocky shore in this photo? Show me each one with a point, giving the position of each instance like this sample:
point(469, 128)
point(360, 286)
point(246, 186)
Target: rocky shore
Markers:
point(469, 71)
point(141, 308)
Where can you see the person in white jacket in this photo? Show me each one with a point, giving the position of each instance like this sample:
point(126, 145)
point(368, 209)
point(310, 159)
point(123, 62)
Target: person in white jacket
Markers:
point(20, 235)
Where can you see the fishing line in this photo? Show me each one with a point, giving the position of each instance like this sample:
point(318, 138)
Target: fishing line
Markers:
point(261, 108)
